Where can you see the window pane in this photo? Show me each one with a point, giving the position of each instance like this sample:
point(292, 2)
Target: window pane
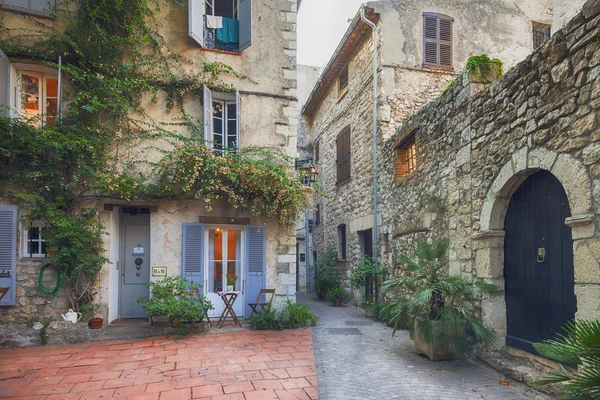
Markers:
point(224, 8)
point(34, 247)
point(43, 247)
point(51, 88)
point(233, 269)
point(34, 233)
point(231, 114)
point(218, 276)
point(30, 91)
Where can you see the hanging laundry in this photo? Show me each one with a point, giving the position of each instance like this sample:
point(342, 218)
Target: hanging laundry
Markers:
point(214, 22)
point(229, 34)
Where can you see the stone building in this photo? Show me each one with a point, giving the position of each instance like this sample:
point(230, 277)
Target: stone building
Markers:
point(174, 237)
point(421, 47)
point(510, 174)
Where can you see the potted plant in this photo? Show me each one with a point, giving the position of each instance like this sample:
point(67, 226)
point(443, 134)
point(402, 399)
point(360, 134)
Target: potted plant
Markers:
point(364, 273)
point(325, 275)
point(367, 305)
point(231, 281)
point(338, 296)
point(437, 309)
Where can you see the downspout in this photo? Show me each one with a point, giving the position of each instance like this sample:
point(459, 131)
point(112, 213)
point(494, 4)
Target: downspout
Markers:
point(375, 232)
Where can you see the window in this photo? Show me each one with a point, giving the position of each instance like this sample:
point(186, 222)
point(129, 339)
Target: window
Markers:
point(35, 244)
point(32, 91)
point(44, 7)
point(302, 257)
point(541, 33)
point(221, 24)
point(221, 121)
point(406, 157)
point(343, 155)
point(341, 241)
point(343, 81)
point(437, 40)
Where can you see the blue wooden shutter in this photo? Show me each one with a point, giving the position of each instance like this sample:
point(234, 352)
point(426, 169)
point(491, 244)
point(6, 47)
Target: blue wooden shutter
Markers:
point(256, 263)
point(8, 256)
point(192, 254)
point(245, 16)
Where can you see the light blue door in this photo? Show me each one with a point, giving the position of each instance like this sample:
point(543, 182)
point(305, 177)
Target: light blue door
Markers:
point(136, 264)
point(256, 262)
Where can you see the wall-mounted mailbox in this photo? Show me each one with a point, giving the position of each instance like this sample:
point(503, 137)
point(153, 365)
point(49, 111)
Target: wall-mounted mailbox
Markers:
point(159, 271)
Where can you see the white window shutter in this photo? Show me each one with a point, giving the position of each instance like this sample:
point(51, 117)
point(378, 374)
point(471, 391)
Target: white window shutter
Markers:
point(237, 118)
point(4, 84)
point(196, 20)
point(245, 15)
point(8, 248)
point(208, 116)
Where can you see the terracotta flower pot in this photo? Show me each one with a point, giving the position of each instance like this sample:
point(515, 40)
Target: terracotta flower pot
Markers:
point(96, 323)
point(338, 302)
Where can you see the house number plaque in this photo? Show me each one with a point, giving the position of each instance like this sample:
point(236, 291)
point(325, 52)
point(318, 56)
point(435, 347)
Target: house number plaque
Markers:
point(159, 271)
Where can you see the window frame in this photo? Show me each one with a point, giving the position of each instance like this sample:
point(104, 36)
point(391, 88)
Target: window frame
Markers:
point(537, 27)
point(29, 10)
point(342, 249)
point(224, 100)
point(438, 41)
point(43, 78)
point(407, 156)
point(343, 156)
point(37, 224)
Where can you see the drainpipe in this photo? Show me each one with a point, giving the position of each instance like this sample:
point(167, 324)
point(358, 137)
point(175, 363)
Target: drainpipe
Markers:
point(375, 232)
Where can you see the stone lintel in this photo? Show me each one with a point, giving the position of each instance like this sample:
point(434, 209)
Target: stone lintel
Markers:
point(490, 234)
point(580, 220)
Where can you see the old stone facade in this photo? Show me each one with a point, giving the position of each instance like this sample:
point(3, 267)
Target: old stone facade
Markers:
point(405, 85)
point(268, 118)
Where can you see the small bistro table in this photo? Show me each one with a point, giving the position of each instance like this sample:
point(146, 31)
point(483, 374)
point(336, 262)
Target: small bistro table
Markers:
point(229, 299)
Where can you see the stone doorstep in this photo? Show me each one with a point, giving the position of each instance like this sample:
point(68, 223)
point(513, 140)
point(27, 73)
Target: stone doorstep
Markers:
point(520, 366)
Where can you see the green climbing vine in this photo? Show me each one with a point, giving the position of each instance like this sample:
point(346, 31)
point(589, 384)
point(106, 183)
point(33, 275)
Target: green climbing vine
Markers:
point(484, 66)
point(116, 63)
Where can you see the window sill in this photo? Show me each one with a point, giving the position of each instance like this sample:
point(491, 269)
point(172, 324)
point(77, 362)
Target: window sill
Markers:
point(34, 257)
point(31, 13)
point(233, 53)
point(438, 68)
point(343, 182)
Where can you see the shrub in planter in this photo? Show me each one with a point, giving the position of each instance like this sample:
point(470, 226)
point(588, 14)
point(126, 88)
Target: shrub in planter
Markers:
point(325, 275)
point(364, 272)
point(290, 317)
point(338, 296)
point(579, 345)
point(438, 309)
point(177, 299)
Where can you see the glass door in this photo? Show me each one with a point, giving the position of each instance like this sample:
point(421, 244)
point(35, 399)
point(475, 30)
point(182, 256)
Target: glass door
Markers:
point(224, 267)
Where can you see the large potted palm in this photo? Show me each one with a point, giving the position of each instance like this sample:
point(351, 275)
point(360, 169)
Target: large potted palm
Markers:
point(439, 310)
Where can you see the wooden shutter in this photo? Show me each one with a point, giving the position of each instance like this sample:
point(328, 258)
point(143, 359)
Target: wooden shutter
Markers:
point(8, 256)
point(430, 39)
point(347, 154)
point(437, 40)
point(192, 253)
point(318, 215)
point(317, 151)
point(445, 42)
point(196, 20)
point(256, 262)
point(208, 116)
point(245, 16)
point(4, 85)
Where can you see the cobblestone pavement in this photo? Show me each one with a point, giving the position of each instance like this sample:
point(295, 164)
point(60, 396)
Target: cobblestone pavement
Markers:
point(357, 358)
point(246, 365)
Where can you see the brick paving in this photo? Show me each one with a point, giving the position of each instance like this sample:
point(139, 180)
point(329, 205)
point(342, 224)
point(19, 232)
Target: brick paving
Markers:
point(357, 358)
point(246, 365)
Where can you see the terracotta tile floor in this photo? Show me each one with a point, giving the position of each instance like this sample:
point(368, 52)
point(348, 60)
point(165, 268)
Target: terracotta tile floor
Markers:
point(247, 365)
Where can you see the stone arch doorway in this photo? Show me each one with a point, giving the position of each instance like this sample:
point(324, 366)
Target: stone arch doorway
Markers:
point(489, 240)
point(538, 262)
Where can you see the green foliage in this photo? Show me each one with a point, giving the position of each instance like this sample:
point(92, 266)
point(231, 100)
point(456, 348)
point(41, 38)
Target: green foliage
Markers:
point(366, 270)
point(231, 279)
point(44, 321)
point(579, 345)
point(484, 66)
point(176, 298)
point(444, 305)
point(338, 294)
point(114, 59)
point(325, 276)
point(290, 317)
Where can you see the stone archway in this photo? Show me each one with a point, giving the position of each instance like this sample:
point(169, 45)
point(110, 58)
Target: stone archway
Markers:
point(489, 253)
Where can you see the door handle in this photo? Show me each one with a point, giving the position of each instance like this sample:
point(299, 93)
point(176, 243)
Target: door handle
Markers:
point(541, 255)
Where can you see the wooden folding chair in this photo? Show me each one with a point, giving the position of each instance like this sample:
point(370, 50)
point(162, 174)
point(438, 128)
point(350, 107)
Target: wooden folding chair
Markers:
point(3, 291)
point(262, 304)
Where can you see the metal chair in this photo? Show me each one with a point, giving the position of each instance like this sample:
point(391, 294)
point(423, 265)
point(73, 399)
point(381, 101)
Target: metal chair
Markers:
point(262, 305)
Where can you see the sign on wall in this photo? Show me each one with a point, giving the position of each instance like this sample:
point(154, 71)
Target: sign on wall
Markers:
point(159, 271)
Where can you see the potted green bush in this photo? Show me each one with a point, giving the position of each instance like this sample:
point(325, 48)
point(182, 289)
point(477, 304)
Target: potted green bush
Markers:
point(231, 281)
point(364, 272)
point(177, 299)
point(437, 309)
point(325, 275)
point(578, 346)
point(338, 296)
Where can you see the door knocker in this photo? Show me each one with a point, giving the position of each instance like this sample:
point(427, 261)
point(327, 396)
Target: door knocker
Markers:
point(138, 263)
point(541, 255)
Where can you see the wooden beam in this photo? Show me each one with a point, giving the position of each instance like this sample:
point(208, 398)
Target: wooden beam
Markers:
point(224, 220)
point(110, 207)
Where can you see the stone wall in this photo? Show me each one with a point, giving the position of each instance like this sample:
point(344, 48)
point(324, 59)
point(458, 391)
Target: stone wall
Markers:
point(475, 146)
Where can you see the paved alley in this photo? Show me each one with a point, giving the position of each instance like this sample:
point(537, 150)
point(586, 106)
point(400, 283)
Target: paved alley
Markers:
point(358, 359)
point(246, 365)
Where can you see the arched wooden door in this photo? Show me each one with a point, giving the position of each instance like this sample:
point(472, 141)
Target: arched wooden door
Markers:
point(538, 262)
